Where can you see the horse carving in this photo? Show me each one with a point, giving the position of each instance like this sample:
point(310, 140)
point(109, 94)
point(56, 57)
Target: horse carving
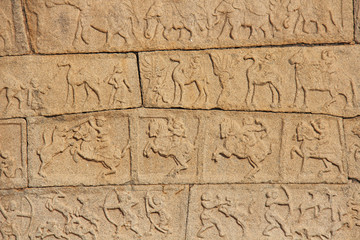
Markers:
point(247, 141)
point(168, 140)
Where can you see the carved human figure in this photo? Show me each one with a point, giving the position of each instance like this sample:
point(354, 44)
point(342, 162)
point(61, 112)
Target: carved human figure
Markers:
point(245, 141)
point(209, 215)
point(223, 67)
point(263, 72)
point(168, 139)
point(85, 211)
point(273, 216)
point(227, 15)
point(322, 76)
point(35, 95)
point(7, 164)
point(355, 148)
point(119, 83)
point(8, 228)
point(314, 139)
point(155, 205)
point(186, 72)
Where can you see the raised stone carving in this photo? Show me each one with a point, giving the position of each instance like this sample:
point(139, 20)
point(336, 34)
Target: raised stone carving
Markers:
point(86, 145)
point(169, 146)
point(352, 135)
point(13, 153)
point(273, 212)
point(242, 141)
point(129, 25)
point(64, 84)
point(291, 79)
point(313, 149)
point(13, 38)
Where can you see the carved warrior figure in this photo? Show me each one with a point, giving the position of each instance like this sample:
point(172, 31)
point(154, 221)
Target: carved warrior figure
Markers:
point(111, 19)
point(7, 165)
point(315, 143)
point(223, 66)
point(263, 72)
point(12, 213)
point(323, 76)
point(355, 149)
point(78, 222)
point(215, 204)
point(168, 139)
point(88, 141)
point(248, 140)
point(188, 71)
point(118, 81)
point(155, 206)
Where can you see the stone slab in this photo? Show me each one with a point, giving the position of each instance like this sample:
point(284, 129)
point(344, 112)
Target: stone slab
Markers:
point(263, 212)
point(250, 147)
point(13, 153)
point(126, 212)
point(53, 85)
point(59, 26)
point(314, 79)
point(352, 146)
point(13, 36)
point(170, 146)
point(87, 149)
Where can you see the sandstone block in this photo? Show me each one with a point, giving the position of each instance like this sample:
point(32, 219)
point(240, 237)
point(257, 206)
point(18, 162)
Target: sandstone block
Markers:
point(13, 154)
point(170, 146)
point(265, 147)
point(58, 26)
point(289, 79)
point(137, 212)
point(88, 149)
point(13, 37)
point(52, 85)
point(273, 212)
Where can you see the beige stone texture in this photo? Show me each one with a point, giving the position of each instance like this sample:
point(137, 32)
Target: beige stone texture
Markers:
point(52, 85)
point(119, 212)
point(13, 153)
point(59, 26)
point(169, 146)
point(352, 146)
point(87, 149)
point(13, 37)
point(288, 79)
point(262, 212)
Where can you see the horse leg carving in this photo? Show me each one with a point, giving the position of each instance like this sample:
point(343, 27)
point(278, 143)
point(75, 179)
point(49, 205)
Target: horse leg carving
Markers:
point(251, 173)
point(181, 86)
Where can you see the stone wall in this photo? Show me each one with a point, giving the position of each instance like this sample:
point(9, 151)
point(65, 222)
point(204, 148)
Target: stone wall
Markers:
point(179, 119)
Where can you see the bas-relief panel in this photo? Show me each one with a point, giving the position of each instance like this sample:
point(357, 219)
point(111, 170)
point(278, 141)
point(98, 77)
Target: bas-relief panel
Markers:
point(289, 79)
point(123, 25)
point(52, 85)
point(138, 212)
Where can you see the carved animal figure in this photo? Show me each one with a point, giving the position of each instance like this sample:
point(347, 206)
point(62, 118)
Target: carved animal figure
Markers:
point(55, 204)
point(81, 77)
point(49, 229)
point(113, 18)
point(13, 89)
point(260, 73)
point(81, 228)
point(244, 142)
point(167, 16)
point(311, 76)
point(186, 73)
point(169, 144)
point(6, 32)
point(314, 144)
point(315, 12)
point(55, 142)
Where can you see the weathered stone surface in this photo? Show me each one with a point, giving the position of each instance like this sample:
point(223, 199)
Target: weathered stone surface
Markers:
point(13, 153)
point(290, 79)
point(352, 133)
point(136, 212)
point(88, 149)
point(58, 26)
point(273, 212)
point(13, 38)
point(48, 85)
point(169, 146)
point(267, 147)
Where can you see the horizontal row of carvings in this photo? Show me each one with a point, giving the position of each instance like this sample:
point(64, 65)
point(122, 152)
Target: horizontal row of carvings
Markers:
point(63, 26)
point(176, 212)
point(290, 79)
point(148, 146)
